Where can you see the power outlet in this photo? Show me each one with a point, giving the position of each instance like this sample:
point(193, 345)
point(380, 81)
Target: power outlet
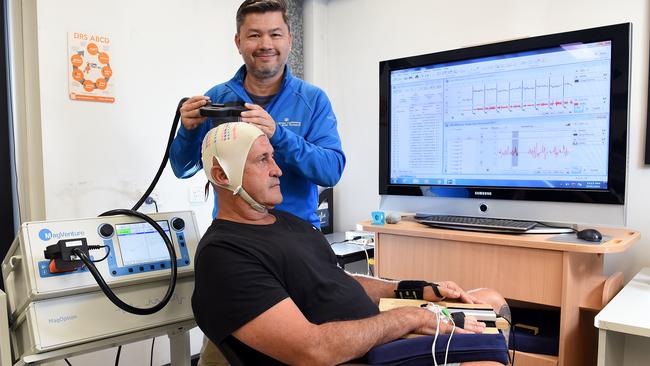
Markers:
point(197, 194)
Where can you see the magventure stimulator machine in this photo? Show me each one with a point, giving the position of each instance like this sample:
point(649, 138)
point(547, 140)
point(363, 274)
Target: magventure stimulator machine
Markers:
point(52, 306)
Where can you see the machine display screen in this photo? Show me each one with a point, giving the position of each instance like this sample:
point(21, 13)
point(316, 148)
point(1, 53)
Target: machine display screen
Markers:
point(141, 243)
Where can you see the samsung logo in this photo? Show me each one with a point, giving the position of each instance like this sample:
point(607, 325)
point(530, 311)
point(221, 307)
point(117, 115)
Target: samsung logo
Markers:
point(481, 193)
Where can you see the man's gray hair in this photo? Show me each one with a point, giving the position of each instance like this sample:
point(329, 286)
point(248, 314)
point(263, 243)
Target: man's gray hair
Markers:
point(262, 6)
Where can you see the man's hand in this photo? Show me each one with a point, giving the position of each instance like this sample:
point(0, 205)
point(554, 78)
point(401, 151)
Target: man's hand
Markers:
point(449, 290)
point(259, 118)
point(190, 116)
point(430, 323)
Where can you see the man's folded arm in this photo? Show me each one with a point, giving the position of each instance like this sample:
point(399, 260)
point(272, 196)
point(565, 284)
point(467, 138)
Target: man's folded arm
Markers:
point(283, 333)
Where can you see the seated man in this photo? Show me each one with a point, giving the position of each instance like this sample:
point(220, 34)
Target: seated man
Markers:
point(268, 280)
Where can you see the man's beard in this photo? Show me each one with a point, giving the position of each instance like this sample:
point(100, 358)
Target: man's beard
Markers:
point(266, 72)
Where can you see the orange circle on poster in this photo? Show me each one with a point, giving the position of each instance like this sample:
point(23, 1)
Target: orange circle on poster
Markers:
point(76, 60)
point(107, 72)
point(77, 74)
point(92, 48)
point(103, 57)
point(89, 85)
point(101, 83)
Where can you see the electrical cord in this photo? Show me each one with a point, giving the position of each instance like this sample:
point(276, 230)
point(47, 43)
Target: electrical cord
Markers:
point(108, 251)
point(346, 240)
point(551, 226)
point(66, 361)
point(450, 335)
point(437, 310)
point(133, 212)
point(117, 356)
point(514, 344)
point(435, 338)
point(153, 341)
point(163, 163)
point(149, 200)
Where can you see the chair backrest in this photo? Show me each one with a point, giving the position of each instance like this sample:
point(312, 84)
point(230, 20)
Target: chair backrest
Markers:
point(325, 210)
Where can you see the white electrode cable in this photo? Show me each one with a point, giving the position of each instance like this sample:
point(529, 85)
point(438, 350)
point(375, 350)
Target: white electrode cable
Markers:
point(436, 310)
point(450, 335)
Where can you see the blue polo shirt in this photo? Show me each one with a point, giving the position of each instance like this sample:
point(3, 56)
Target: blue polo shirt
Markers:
point(306, 141)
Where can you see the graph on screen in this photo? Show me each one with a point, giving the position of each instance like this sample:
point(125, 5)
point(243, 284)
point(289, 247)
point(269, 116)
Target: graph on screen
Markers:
point(534, 119)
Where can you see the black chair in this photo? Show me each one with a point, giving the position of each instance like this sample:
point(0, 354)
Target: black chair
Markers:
point(326, 215)
point(239, 354)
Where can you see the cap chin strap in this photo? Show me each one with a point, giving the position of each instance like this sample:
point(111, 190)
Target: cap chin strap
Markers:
point(245, 196)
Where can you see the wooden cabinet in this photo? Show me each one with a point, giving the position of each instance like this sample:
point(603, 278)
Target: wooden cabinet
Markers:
point(533, 268)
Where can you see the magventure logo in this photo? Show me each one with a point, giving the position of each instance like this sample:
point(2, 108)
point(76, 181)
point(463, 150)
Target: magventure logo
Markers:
point(46, 234)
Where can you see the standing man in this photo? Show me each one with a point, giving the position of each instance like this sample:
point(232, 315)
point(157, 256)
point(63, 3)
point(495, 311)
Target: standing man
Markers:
point(296, 117)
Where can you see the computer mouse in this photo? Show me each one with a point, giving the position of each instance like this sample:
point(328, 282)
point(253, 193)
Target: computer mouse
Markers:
point(590, 235)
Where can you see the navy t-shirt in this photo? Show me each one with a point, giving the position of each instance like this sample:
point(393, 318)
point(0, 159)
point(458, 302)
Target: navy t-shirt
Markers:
point(242, 270)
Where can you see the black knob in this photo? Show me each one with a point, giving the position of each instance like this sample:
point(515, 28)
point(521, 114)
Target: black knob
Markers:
point(106, 231)
point(178, 224)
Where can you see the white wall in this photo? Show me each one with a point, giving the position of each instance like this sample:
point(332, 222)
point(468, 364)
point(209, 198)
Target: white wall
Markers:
point(360, 33)
point(98, 156)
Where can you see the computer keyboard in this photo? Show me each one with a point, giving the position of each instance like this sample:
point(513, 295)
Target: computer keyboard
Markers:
point(475, 223)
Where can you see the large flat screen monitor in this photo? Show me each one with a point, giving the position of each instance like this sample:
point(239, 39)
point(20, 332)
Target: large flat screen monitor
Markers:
point(541, 119)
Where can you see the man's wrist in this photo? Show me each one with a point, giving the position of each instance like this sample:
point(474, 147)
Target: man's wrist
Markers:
point(415, 289)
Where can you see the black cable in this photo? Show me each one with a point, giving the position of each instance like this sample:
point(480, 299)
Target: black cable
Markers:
point(163, 163)
point(512, 331)
point(108, 252)
point(346, 240)
point(107, 290)
point(133, 212)
point(66, 361)
point(544, 225)
point(150, 201)
point(117, 356)
point(153, 341)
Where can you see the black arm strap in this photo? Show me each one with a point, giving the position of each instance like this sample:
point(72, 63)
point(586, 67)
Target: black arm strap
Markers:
point(415, 289)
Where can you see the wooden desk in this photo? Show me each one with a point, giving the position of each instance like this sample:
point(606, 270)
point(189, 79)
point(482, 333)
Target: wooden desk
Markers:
point(521, 267)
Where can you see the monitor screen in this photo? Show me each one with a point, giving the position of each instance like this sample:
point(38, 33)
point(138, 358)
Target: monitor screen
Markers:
point(541, 118)
point(140, 243)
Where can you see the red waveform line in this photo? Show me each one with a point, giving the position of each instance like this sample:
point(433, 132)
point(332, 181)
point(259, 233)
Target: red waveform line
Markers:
point(537, 151)
point(516, 106)
point(507, 151)
point(544, 151)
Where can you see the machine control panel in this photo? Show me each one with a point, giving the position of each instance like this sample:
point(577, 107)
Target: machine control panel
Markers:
point(126, 250)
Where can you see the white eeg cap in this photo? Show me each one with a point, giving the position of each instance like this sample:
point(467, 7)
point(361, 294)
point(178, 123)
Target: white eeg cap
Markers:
point(230, 144)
